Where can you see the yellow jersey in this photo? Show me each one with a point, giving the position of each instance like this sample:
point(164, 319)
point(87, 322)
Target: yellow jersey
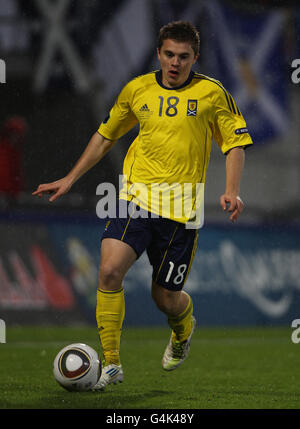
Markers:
point(165, 167)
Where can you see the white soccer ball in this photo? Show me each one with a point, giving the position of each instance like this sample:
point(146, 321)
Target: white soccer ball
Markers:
point(77, 367)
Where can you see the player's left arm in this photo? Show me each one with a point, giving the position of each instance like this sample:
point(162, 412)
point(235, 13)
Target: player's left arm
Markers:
point(231, 200)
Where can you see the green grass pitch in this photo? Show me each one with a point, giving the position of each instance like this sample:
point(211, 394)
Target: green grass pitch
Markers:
point(227, 368)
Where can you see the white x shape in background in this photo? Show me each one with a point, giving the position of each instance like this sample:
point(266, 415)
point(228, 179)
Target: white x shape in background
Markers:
point(258, 55)
point(57, 39)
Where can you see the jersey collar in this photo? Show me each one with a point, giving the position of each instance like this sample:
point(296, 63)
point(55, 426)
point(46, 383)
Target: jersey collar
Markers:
point(158, 76)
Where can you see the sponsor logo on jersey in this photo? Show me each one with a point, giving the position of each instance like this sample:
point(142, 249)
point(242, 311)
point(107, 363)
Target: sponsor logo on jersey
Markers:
point(192, 107)
point(144, 108)
point(144, 112)
point(241, 131)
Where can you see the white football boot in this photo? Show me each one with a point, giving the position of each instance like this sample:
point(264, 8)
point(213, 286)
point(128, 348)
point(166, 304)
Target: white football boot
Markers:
point(176, 352)
point(111, 374)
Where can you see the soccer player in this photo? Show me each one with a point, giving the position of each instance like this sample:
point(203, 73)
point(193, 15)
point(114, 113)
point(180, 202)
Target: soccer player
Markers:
point(179, 112)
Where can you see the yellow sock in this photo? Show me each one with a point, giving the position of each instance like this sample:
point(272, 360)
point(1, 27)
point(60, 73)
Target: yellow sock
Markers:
point(110, 312)
point(182, 324)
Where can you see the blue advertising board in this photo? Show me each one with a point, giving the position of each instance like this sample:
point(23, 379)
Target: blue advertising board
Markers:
point(241, 275)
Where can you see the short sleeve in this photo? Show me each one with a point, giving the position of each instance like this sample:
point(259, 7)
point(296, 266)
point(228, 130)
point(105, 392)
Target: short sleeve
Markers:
point(229, 126)
point(120, 119)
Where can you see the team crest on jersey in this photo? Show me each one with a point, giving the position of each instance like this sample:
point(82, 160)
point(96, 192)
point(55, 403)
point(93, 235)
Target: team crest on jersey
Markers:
point(192, 107)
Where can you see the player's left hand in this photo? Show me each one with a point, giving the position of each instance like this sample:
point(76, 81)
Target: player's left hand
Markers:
point(232, 204)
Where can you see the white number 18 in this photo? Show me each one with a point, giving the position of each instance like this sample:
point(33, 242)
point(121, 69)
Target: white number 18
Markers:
point(180, 273)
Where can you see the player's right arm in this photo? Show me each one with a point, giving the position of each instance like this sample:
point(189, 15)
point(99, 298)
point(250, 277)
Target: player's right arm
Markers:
point(97, 147)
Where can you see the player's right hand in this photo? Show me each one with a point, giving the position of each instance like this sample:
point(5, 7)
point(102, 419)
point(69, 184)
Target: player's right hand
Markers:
point(57, 188)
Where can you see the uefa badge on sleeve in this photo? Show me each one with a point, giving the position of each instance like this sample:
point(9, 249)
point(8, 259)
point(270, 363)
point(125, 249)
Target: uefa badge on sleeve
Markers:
point(192, 107)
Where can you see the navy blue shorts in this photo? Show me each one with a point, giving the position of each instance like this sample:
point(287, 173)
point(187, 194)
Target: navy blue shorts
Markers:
point(170, 246)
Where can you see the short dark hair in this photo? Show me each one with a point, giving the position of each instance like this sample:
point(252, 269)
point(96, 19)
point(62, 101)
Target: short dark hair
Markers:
point(181, 31)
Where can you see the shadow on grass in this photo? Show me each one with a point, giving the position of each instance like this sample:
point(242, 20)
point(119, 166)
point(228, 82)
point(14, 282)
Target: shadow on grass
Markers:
point(109, 399)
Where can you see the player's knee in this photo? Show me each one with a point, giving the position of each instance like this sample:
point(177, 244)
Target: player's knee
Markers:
point(110, 276)
point(166, 301)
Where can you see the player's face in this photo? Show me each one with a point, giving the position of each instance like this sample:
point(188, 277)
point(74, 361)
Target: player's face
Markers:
point(176, 60)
